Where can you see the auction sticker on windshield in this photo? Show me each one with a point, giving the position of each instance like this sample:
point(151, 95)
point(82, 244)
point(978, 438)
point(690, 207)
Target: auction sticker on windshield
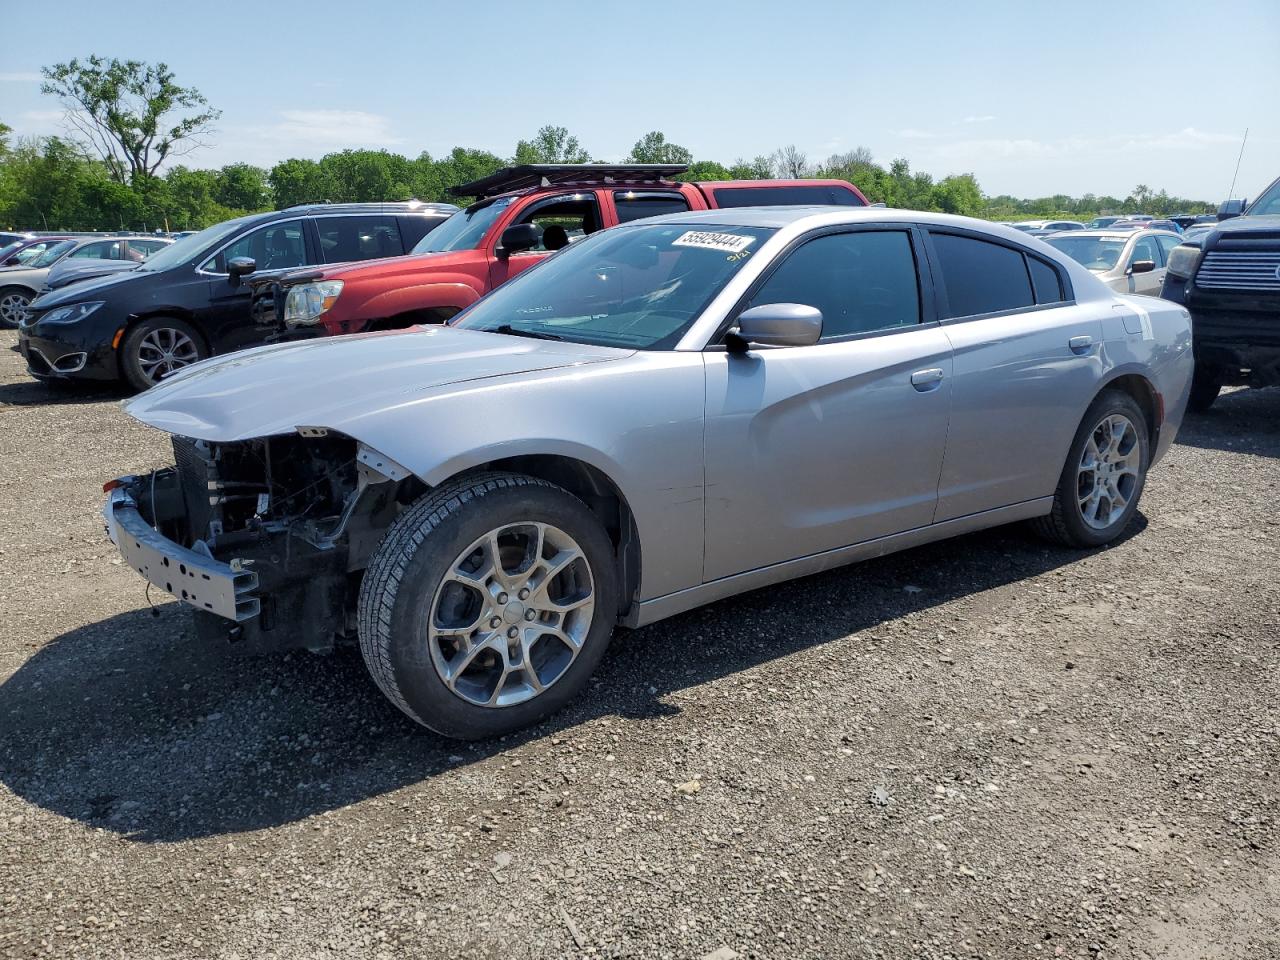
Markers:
point(727, 242)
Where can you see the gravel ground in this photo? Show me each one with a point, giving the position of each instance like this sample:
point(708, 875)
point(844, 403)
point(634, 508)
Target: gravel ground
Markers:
point(984, 748)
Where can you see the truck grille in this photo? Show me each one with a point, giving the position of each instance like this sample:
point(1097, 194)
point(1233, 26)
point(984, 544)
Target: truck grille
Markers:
point(1240, 270)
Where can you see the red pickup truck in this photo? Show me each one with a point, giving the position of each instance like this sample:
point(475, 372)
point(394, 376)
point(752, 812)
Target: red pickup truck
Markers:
point(524, 214)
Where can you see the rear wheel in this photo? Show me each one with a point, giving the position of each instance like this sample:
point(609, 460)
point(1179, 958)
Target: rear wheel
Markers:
point(157, 347)
point(1104, 475)
point(488, 605)
point(13, 305)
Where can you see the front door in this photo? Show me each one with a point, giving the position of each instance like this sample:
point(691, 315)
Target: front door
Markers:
point(1149, 283)
point(562, 219)
point(813, 448)
point(275, 248)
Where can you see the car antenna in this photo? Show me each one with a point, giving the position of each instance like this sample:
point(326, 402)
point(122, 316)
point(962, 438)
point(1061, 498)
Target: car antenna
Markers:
point(1231, 193)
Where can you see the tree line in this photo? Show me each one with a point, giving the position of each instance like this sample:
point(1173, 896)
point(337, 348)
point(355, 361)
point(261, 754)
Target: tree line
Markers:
point(128, 119)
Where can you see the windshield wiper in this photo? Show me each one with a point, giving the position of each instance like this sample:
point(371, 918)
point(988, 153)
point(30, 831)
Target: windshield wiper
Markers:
point(521, 332)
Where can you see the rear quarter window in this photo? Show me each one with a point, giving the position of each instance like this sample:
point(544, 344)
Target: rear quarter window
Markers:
point(778, 196)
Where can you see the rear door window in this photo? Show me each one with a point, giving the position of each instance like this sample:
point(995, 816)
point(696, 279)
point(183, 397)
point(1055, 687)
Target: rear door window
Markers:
point(862, 282)
point(637, 206)
point(103, 250)
point(344, 239)
point(785, 196)
point(1166, 245)
point(981, 277)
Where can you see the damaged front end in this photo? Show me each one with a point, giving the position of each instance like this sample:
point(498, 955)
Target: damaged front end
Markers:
point(265, 539)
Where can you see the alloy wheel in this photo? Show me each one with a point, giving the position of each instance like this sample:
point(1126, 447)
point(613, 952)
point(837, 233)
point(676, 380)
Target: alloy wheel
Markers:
point(164, 350)
point(511, 614)
point(13, 307)
point(1108, 476)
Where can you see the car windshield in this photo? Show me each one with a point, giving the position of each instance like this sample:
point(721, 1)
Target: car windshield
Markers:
point(634, 287)
point(1268, 203)
point(50, 255)
point(1096, 253)
point(188, 248)
point(465, 229)
point(1025, 227)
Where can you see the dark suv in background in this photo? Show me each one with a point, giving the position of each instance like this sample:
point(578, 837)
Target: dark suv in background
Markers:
point(1229, 278)
point(190, 300)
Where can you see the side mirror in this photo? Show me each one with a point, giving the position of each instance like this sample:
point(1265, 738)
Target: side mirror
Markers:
point(1231, 208)
point(1142, 266)
point(518, 237)
point(238, 267)
point(779, 325)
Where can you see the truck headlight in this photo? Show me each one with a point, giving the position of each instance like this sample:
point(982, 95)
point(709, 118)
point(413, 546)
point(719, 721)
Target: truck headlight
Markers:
point(307, 301)
point(71, 314)
point(1183, 261)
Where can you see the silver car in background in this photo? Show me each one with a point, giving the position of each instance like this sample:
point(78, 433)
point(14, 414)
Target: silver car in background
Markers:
point(1127, 261)
point(661, 415)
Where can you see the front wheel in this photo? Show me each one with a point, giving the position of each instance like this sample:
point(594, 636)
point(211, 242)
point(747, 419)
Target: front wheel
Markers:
point(13, 305)
point(1104, 475)
point(488, 605)
point(157, 347)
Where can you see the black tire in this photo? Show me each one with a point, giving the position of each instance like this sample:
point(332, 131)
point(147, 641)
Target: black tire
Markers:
point(1066, 523)
point(1206, 384)
point(12, 298)
point(133, 365)
point(408, 568)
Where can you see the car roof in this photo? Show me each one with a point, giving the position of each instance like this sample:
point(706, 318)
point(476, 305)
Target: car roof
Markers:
point(825, 214)
point(1117, 234)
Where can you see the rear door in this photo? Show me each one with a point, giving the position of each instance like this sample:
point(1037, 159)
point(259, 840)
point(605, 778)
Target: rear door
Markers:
point(814, 448)
point(1026, 367)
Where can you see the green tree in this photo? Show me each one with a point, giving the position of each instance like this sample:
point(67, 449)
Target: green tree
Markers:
point(464, 164)
point(758, 168)
point(241, 186)
point(654, 147)
point(706, 170)
point(5, 130)
point(551, 145)
point(132, 114)
point(367, 176)
point(298, 181)
point(959, 194)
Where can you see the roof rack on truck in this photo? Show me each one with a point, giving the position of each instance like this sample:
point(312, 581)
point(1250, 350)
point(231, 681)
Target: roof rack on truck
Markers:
point(528, 175)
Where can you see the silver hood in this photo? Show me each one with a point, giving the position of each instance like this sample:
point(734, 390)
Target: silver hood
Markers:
point(339, 382)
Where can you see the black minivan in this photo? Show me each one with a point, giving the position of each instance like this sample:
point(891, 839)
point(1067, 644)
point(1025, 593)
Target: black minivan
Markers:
point(190, 300)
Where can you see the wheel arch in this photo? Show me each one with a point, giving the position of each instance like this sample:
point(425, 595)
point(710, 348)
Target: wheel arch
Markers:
point(1144, 393)
point(152, 313)
point(602, 495)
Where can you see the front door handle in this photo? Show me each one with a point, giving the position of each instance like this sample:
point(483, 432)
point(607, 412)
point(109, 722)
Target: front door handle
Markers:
point(925, 380)
point(1080, 344)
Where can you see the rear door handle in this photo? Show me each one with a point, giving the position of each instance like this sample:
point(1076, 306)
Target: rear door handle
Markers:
point(1080, 344)
point(925, 380)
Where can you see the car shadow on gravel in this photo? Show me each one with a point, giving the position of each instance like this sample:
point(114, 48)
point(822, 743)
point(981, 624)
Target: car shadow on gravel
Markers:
point(129, 726)
point(1241, 421)
point(40, 393)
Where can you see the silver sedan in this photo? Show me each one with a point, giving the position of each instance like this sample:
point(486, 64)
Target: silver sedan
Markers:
point(661, 415)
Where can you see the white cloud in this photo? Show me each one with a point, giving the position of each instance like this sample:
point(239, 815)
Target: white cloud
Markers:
point(21, 76)
point(983, 118)
point(912, 133)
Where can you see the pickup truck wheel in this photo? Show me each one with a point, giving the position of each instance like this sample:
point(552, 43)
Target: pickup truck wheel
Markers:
point(157, 347)
point(1103, 478)
point(13, 305)
point(1205, 387)
point(488, 604)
